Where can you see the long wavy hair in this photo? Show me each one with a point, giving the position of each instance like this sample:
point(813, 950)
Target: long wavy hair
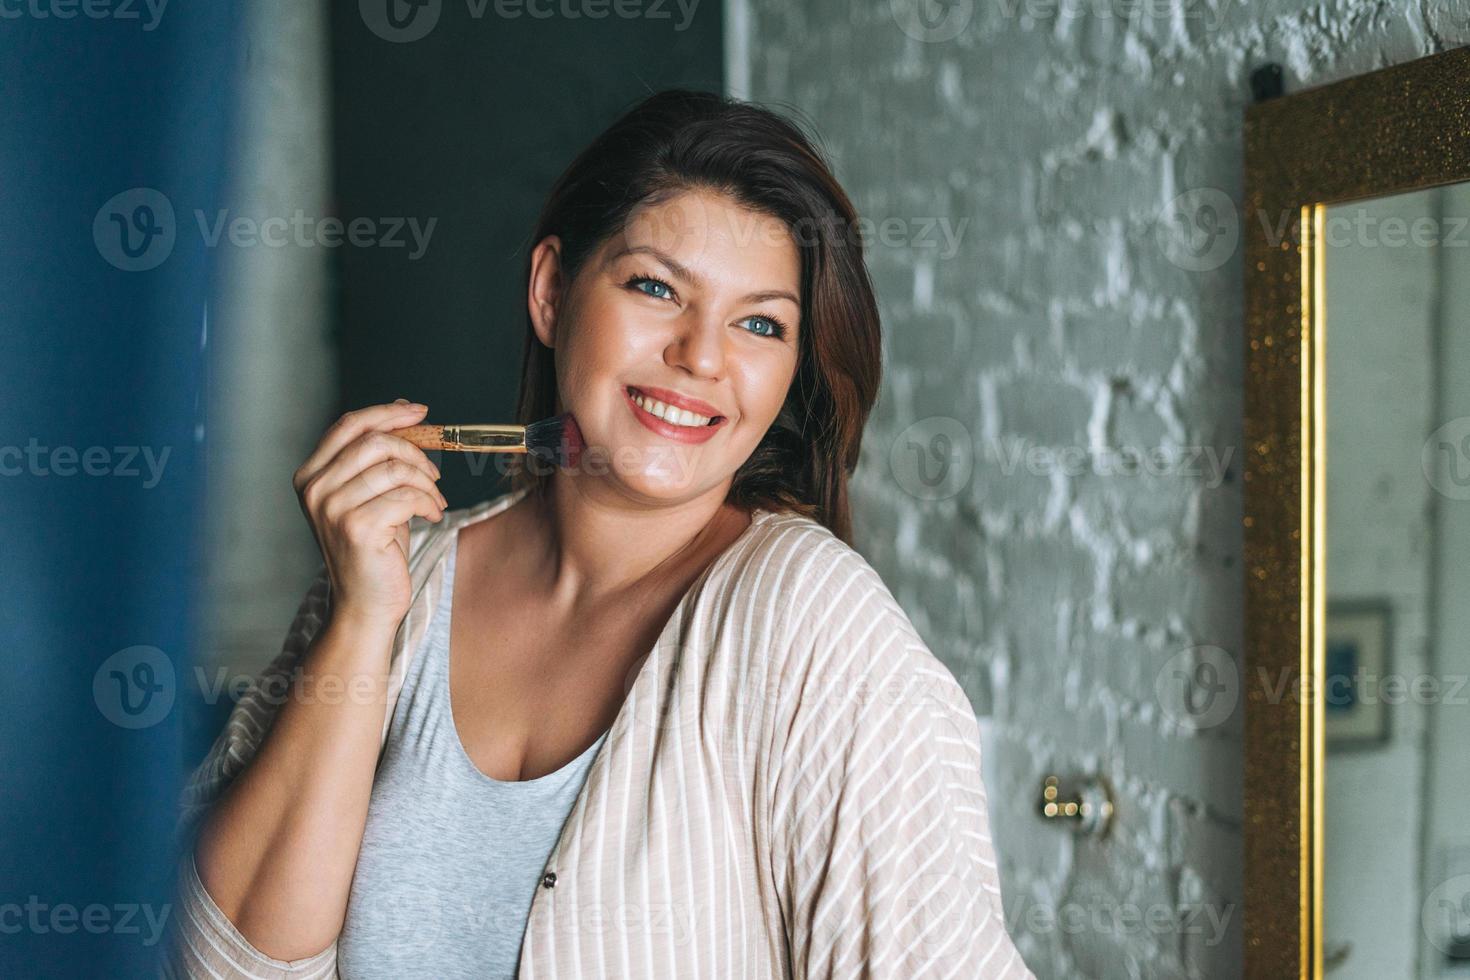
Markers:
point(680, 140)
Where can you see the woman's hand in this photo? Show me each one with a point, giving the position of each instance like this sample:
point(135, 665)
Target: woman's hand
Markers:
point(358, 489)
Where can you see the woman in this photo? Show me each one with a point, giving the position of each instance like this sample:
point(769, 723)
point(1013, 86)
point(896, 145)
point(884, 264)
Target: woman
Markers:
point(691, 733)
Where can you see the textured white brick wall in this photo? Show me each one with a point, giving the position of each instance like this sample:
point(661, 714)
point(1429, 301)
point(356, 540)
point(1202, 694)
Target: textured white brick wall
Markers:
point(1074, 315)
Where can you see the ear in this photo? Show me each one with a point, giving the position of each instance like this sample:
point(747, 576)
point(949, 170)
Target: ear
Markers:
point(545, 291)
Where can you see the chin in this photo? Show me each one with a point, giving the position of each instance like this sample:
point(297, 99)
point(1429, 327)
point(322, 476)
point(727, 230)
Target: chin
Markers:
point(646, 463)
point(660, 473)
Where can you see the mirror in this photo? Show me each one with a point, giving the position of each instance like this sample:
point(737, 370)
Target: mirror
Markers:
point(1396, 344)
point(1356, 487)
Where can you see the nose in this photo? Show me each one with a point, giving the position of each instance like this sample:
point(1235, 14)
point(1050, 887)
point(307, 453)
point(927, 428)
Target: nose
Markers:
point(698, 347)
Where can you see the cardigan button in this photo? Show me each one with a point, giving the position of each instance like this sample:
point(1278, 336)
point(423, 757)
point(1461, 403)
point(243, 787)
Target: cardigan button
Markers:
point(548, 880)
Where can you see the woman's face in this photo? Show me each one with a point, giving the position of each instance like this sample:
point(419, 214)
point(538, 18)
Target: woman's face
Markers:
point(695, 305)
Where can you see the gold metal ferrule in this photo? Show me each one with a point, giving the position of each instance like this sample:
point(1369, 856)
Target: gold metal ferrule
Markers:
point(486, 438)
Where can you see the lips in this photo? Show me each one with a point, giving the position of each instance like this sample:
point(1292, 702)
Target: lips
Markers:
point(690, 435)
point(677, 400)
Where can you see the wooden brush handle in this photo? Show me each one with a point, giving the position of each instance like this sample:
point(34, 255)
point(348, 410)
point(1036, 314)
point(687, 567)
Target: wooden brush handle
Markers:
point(467, 438)
point(423, 436)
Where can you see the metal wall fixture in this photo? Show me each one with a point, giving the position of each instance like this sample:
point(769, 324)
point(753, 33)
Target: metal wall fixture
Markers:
point(1089, 808)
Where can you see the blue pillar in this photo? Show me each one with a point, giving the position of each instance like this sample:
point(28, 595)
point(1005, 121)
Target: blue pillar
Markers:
point(114, 121)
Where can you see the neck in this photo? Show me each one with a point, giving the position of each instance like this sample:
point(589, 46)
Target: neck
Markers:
point(589, 544)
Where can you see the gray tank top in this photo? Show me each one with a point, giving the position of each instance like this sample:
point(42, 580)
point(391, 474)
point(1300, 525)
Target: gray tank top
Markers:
point(450, 857)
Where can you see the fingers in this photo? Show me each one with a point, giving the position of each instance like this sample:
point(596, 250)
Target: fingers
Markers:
point(376, 523)
point(382, 478)
point(372, 448)
point(361, 461)
point(351, 426)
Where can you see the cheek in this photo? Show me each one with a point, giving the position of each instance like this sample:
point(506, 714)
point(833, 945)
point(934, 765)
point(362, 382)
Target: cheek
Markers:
point(598, 349)
point(764, 385)
point(613, 339)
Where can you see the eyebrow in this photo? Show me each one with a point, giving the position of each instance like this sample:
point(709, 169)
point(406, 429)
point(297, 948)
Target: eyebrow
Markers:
point(688, 275)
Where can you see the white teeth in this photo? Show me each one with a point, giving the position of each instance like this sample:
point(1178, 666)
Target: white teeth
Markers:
point(668, 413)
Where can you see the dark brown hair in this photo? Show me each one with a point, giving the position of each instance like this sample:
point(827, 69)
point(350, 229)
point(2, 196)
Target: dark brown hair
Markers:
point(680, 140)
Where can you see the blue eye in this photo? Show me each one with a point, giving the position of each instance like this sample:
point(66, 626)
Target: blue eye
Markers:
point(775, 328)
point(638, 281)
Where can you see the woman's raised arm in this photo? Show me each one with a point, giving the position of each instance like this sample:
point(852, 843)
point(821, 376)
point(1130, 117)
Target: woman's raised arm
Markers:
point(272, 861)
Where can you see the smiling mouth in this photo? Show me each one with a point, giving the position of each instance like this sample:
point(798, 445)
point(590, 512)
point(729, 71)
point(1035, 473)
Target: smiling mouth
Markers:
point(636, 394)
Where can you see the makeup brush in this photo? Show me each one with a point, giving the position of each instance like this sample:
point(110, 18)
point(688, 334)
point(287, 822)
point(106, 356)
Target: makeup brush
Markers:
point(557, 440)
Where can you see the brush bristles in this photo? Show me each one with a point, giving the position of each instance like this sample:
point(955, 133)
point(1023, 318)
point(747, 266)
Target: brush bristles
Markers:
point(556, 440)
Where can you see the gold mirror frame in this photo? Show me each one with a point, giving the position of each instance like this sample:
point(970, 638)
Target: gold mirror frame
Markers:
point(1386, 132)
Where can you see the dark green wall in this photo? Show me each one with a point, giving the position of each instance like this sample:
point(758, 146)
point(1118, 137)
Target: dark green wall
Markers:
point(470, 124)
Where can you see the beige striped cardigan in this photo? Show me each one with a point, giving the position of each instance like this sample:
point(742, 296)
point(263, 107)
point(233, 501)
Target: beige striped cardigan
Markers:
point(792, 788)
